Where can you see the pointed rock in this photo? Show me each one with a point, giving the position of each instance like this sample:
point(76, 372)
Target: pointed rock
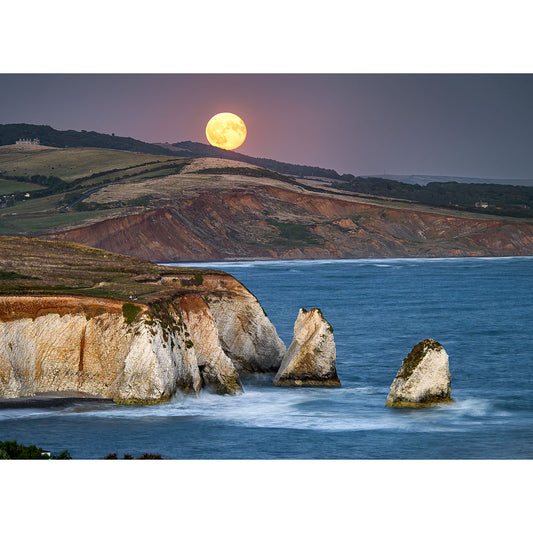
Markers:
point(423, 379)
point(310, 359)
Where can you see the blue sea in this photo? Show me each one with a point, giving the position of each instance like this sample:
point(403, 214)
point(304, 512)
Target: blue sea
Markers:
point(479, 309)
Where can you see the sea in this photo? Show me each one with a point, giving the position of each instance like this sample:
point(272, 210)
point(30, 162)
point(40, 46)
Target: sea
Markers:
point(479, 309)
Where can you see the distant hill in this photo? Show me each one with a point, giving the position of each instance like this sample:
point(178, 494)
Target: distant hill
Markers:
point(11, 133)
point(424, 179)
point(194, 149)
point(493, 198)
point(174, 208)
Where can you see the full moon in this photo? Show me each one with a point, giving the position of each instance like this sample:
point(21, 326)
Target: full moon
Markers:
point(226, 130)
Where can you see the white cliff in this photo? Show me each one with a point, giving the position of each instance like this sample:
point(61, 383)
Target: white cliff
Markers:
point(215, 366)
point(152, 332)
point(246, 334)
point(67, 349)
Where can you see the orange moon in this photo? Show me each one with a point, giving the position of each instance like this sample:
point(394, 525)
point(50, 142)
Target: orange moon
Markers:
point(226, 130)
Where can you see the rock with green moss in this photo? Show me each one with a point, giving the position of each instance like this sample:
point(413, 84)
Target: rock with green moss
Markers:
point(423, 379)
point(311, 359)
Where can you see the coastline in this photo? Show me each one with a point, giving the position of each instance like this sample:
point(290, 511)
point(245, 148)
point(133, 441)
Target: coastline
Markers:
point(52, 399)
point(342, 260)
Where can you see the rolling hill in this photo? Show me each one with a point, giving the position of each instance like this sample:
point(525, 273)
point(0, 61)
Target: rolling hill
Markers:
point(170, 208)
point(10, 133)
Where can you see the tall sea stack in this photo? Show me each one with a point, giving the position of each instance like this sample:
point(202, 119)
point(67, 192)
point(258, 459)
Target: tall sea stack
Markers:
point(310, 359)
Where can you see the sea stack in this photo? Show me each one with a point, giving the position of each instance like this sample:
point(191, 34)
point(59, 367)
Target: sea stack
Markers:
point(423, 379)
point(310, 359)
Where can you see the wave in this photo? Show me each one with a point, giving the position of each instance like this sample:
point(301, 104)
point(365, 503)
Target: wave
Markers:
point(220, 265)
point(17, 414)
point(330, 410)
point(348, 409)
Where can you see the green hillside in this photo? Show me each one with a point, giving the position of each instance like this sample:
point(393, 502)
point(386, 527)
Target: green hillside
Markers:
point(11, 186)
point(69, 164)
point(58, 179)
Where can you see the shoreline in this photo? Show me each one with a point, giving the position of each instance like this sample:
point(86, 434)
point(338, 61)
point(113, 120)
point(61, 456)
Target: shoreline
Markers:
point(52, 399)
point(346, 259)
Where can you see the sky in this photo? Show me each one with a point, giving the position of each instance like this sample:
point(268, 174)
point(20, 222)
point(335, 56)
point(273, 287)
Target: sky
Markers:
point(471, 125)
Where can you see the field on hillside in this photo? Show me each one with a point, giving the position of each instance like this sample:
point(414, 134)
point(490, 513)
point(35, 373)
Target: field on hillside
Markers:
point(10, 186)
point(34, 223)
point(70, 164)
point(31, 266)
point(59, 179)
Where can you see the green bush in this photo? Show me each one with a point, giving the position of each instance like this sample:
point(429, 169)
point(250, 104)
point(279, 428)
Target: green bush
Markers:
point(14, 450)
point(145, 455)
point(294, 234)
point(130, 312)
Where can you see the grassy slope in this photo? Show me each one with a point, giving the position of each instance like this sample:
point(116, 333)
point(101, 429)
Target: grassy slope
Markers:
point(31, 266)
point(77, 168)
point(69, 164)
point(35, 222)
point(10, 186)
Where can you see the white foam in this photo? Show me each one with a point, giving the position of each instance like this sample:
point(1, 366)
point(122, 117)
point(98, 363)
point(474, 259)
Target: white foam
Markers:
point(346, 409)
point(220, 265)
point(351, 408)
point(17, 414)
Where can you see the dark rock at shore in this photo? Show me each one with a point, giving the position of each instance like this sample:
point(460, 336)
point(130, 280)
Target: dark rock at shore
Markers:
point(56, 399)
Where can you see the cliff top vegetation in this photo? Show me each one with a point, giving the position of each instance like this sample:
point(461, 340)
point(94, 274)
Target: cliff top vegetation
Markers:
point(36, 267)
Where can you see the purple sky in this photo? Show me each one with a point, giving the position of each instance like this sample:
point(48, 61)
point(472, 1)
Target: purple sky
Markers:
point(456, 125)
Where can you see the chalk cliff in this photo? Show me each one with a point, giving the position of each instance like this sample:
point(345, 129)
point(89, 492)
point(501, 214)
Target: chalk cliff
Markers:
point(152, 334)
point(246, 334)
point(88, 345)
point(215, 366)
point(310, 359)
point(423, 379)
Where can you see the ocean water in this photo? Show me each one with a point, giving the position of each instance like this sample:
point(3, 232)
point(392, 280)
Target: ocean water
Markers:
point(479, 309)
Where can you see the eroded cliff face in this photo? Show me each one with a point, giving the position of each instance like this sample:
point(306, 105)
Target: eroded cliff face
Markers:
point(87, 345)
point(270, 222)
point(246, 334)
point(79, 319)
point(215, 366)
point(90, 345)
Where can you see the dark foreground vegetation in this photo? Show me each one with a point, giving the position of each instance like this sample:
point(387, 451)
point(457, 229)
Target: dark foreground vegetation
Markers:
point(13, 450)
point(129, 456)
